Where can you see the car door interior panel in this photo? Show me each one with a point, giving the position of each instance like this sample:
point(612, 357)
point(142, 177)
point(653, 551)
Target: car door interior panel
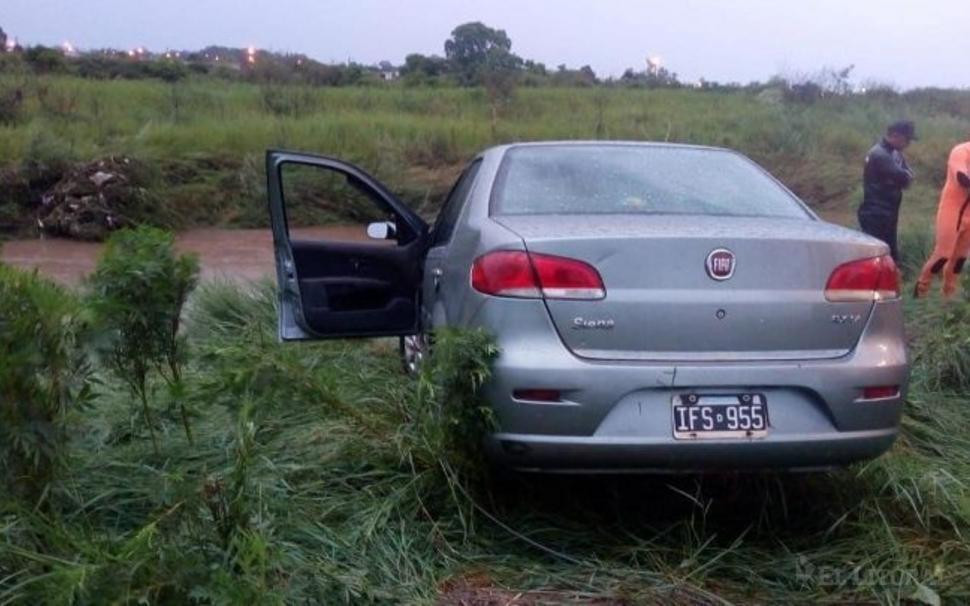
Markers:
point(348, 286)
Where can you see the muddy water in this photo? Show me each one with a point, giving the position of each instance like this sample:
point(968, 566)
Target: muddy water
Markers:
point(233, 254)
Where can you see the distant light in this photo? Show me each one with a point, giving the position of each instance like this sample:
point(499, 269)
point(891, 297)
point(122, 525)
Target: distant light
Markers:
point(131, 53)
point(11, 44)
point(68, 48)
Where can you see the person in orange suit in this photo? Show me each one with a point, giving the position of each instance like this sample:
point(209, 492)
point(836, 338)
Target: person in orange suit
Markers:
point(952, 226)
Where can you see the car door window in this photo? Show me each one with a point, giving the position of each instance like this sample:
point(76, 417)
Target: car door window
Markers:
point(322, 203)
point(448, 217)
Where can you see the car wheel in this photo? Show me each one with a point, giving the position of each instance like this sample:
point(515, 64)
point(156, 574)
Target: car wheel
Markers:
point(414, 350)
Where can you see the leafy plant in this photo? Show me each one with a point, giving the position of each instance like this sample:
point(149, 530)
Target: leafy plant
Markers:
point(942, 352)
point(451, 418)
point(138, 291)
point(44, 373)
point(46, 157)
point(11, 104)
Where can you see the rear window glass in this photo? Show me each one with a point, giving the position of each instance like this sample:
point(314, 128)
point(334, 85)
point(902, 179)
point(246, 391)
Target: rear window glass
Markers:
point(641, 179)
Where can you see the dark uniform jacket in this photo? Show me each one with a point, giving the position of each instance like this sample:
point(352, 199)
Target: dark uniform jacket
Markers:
point(885, 177)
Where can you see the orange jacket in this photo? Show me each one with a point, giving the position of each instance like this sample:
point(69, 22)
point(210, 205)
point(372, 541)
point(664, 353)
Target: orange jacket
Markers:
point(955, 195)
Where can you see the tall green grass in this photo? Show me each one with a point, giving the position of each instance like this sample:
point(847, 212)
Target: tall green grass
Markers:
point(206, 135)
point(320, 473)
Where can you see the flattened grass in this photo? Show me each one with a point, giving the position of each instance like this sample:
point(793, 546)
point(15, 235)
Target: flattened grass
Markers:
point(318, 474)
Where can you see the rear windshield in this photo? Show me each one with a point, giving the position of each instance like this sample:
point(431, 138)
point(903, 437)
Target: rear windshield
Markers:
point(610, 179)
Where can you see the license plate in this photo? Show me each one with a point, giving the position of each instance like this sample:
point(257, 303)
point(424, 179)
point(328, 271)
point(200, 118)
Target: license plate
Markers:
point(720, 416)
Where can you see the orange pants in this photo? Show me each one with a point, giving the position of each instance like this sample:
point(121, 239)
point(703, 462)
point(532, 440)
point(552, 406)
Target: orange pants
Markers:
point(952, 227)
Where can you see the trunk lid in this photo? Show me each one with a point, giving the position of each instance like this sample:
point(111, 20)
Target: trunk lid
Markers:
point(662, 304)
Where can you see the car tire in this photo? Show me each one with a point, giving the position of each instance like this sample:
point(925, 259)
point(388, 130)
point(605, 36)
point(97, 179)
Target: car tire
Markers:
point(414, 350)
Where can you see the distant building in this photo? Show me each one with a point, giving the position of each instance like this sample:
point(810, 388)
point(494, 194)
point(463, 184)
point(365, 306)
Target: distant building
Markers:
point(387, 71)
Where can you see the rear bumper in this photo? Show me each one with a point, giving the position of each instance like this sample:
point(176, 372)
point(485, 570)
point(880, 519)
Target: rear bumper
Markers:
point(611, 454)
point(618, 415)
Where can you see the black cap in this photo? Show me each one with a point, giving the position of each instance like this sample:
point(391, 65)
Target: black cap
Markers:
point(905, 128)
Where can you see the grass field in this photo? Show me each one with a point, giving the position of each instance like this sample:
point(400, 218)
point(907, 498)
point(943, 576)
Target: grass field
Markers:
point(202, 140)
point(319, 473)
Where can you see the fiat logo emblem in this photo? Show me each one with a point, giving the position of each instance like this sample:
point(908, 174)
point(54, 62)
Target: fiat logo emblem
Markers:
point(720, 264)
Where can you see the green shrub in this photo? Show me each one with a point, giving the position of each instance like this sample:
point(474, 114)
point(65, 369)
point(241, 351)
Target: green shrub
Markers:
point(942, 349)
point(138, 291)
point(46, 158)
point(44, 59)
point(44, 373)
point(452, 417)
point(11, 104)
point(915, 246)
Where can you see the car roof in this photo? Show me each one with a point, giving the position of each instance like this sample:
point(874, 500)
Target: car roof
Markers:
point(611, 143)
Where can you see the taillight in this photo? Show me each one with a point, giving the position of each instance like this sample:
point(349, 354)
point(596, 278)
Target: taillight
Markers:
point(879, 392)
point(505, 273)
point(872, 279)
point(516, 273)
point(537, 395)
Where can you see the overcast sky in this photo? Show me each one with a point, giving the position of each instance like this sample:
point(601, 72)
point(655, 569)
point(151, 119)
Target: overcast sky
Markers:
point(905, 42)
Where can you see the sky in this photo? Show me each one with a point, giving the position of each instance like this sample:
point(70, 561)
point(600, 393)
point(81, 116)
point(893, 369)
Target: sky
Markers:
point(906, 43)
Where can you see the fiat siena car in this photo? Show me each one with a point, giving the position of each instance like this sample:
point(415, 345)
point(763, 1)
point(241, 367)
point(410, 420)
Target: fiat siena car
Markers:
point(656, 307)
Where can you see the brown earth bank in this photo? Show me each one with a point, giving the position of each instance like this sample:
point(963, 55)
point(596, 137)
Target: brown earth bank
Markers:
point(233, 254)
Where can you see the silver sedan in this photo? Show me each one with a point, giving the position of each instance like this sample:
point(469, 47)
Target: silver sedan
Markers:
point(656, 306)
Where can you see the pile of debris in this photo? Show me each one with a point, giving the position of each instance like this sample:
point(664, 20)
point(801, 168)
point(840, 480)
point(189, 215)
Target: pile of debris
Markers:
point(91, 200)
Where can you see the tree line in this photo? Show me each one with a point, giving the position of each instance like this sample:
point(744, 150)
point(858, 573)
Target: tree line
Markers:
point(474, 55)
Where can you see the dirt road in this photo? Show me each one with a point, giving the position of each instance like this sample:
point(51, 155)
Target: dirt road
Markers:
point(234, 254)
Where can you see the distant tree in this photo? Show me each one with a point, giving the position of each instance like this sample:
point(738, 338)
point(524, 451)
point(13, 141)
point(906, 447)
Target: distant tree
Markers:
point(499, 75)
point(472, 45)
point(44, 59)
point(534, 67)
point(584, 76)
point(168, 70)
point(3, 41)
point(661, 78)
point(352, 74)
point(420, 67)
point(810, 87)
point(587, 75)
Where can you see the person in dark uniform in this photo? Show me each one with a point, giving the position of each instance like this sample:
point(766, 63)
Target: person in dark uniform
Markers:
point(885, 177)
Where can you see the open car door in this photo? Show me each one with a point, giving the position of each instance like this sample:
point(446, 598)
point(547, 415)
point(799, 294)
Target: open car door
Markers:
point(342, 281)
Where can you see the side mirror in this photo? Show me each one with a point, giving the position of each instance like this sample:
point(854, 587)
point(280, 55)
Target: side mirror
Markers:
point(963, 179)
point(382, 230)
